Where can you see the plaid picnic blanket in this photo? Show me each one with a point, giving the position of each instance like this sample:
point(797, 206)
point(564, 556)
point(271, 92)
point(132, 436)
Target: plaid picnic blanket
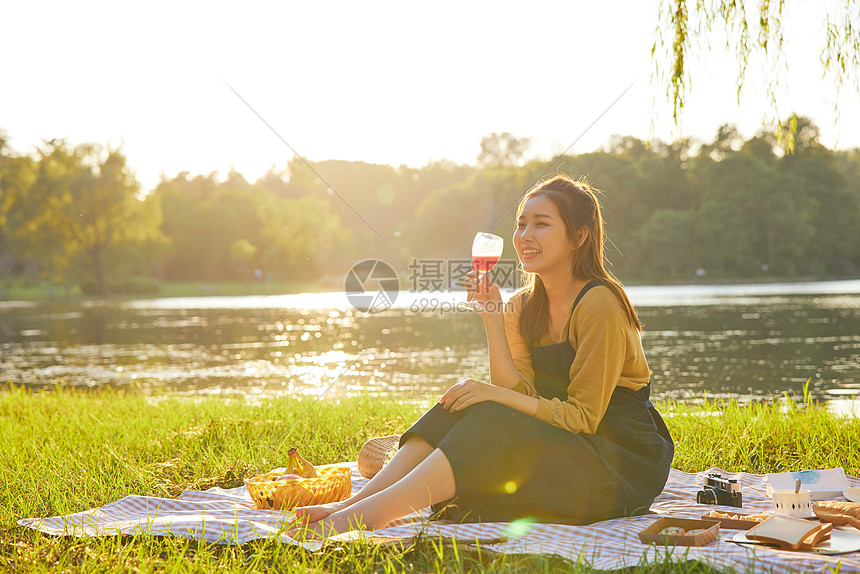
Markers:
point(229, 517)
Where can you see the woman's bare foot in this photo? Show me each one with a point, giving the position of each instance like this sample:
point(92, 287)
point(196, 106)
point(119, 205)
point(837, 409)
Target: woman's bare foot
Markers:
point(317, 512)
point(335, 523)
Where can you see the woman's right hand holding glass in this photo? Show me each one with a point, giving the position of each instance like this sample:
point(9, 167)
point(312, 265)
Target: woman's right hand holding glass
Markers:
point(482, 292)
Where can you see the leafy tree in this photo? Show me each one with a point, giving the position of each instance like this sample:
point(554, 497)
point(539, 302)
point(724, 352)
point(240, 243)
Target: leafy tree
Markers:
point(826, 205)
point(235, 212)
point(184, 203)
point(370, 199)
point(82, 207)
point(304, 239)
point(614, 172)
point(727, 141)
point(733, 207)
point(277, 182)
point(636, 179)
point(500, 156)
point(721, 241)
point(687, 24)
point(148, 248)
point(749, 201)
point(731, 191)
point(448, 215)
point(204, 217)
point(217, 226)
point(502, 149)
point(669, 239)
point(848, 164)
point(16, 176)
point(241, 253)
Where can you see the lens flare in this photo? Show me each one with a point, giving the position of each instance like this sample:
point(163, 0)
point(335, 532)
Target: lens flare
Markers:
point(519, 527)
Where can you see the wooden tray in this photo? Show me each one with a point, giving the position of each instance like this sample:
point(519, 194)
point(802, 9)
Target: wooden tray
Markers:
point(651, 534)
point(731, 523)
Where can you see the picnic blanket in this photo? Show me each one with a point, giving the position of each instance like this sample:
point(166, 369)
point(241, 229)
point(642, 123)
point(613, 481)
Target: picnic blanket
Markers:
point(227, 516)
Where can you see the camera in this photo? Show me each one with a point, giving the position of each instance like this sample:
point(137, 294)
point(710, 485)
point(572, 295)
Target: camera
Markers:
point(719, 490)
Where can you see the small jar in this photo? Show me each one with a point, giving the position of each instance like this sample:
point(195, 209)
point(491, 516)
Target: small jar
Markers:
point(790, 503)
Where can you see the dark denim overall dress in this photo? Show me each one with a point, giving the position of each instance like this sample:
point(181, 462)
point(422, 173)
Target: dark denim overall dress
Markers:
point(509, 465)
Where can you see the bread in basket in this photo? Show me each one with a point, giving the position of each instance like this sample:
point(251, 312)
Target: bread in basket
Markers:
point(270, 492)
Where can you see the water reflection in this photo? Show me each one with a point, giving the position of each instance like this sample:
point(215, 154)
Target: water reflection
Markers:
point(742, 341)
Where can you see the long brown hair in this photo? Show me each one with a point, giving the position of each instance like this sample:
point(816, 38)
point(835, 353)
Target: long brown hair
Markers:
point(577, 203)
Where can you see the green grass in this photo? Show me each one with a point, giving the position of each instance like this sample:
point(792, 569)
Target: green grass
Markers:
point(762, 437)
point(66, 450)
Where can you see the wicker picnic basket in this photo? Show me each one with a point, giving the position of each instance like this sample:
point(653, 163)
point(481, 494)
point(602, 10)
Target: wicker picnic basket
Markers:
point(333, 484)
point(376, 453)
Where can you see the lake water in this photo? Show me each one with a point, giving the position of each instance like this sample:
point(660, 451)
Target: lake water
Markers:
point(743, 341)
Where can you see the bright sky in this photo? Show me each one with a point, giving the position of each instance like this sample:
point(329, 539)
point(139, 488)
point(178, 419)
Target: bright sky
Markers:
point(383, 82)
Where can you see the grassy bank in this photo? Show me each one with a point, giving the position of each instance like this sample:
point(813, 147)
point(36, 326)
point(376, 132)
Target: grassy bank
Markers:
point(19, 291)
point(66, 451)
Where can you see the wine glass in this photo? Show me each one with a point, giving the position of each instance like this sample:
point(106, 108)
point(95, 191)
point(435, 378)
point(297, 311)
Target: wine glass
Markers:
point(486, 252)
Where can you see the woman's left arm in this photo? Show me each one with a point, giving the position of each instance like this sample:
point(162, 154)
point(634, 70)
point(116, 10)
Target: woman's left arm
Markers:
point(469, 392)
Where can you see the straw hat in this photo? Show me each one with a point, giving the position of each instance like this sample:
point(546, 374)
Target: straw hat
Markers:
point(376, 453)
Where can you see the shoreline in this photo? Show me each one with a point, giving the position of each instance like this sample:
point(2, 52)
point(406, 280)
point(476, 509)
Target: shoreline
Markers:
point(206, 289)
point(838, 406)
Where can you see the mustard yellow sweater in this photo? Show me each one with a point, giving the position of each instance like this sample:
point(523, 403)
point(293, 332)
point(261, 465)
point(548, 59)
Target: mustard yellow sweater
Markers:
point(608, 354)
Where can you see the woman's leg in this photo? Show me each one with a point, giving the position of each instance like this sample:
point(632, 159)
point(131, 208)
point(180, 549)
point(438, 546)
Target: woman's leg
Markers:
point(430, 482)
point(407, 457)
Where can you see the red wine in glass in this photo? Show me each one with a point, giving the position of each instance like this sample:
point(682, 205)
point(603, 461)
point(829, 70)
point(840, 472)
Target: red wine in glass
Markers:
point(484, 263)
point(486, 252)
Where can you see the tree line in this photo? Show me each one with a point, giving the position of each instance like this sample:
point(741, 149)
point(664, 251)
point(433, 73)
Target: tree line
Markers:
point(730, 208)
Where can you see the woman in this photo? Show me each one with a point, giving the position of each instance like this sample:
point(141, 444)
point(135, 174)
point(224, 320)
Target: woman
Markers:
point(564, 430)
